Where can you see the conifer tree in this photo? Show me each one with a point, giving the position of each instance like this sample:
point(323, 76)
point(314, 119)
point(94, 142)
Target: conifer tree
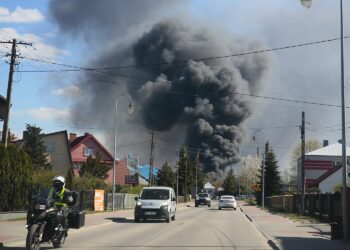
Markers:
point(70, 179)
point(5, 181)
point(273, 181)
point(15, 178)
point(166, 176)
point(35, 148)
point(230, 185)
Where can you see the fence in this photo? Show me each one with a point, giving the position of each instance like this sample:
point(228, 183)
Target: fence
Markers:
point(327, 206)
point(121, 200)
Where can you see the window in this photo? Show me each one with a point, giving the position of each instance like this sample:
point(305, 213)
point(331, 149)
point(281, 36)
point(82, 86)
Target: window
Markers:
point(88, 151)
point(50, 146)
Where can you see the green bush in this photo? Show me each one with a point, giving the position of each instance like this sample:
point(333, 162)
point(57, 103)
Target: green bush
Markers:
point(88, 182)
point(15, 178)
point(339, 187)
point(43, 178)
point(128, 189)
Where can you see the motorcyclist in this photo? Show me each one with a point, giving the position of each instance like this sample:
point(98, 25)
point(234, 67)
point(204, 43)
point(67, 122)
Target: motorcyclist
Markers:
point(61, 198)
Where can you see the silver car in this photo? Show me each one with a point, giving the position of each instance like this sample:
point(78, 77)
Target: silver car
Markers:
point(227, 201)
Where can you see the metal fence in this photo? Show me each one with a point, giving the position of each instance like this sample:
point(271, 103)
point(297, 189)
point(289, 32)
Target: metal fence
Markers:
point(85, 200)
point(121, 200)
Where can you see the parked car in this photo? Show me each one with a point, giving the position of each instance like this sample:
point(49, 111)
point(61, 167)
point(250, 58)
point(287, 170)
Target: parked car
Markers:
point(227, 201)
point(203, 199)
point(155, 203)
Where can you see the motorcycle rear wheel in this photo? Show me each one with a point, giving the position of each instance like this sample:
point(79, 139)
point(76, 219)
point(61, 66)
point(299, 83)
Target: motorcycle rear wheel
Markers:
point(33, 238)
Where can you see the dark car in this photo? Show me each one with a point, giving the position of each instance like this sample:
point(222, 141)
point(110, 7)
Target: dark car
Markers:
point(203, 199)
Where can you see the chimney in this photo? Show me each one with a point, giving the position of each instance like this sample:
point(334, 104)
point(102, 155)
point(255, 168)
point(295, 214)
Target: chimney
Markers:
point(72, 137)
point(325, 143)
point(25, 134)
point(86, 134)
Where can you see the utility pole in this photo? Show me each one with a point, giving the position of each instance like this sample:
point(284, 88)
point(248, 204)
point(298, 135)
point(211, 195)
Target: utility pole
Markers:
point(151, 177)
point(302, 130)
point(263, 178)
point(197, 163)
point(9, 89)
point(245, 169)
point(186, 175)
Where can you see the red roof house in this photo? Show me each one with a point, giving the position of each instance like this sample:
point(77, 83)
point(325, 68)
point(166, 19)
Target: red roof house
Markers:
point(82, 147)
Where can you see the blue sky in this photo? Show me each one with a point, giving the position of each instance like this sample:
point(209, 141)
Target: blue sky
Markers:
point(28, 21)
point(311, 73)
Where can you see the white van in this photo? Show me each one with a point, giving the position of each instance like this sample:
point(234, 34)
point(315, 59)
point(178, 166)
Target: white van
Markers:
point(155, 203)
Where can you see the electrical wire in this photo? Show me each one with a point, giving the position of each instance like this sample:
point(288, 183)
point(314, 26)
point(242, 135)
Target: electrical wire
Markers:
point(194, 59)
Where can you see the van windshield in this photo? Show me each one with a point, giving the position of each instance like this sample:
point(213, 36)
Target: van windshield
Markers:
point(155, 194)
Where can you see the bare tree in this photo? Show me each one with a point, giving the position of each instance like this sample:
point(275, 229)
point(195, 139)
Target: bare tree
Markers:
point(310, 145)
point(248, 173)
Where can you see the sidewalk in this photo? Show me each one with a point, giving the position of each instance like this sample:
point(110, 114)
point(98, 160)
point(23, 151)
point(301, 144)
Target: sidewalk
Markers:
point(282, 233)
point(15, 231)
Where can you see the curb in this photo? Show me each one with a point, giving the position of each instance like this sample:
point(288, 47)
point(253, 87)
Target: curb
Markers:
point(270, 241)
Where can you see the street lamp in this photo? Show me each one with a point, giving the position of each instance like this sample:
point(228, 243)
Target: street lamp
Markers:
point(130, 110)
point(263, 168)
point(307, 4)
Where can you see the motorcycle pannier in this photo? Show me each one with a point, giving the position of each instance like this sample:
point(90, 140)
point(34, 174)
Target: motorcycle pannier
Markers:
point(76, 219)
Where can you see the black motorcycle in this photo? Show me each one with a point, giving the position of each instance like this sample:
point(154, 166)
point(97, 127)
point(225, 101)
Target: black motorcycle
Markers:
point(44, 221)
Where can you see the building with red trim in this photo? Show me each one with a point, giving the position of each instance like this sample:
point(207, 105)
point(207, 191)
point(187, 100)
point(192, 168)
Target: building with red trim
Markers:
point(320, 164)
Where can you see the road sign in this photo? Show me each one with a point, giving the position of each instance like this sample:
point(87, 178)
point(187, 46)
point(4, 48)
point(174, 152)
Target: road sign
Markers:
point(131, 179)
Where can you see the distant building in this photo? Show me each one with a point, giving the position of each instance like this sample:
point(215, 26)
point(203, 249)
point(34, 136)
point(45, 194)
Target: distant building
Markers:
point(209, 188)
point(145, 169)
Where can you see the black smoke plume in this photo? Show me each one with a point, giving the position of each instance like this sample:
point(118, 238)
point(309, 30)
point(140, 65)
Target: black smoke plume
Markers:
point(173, 87)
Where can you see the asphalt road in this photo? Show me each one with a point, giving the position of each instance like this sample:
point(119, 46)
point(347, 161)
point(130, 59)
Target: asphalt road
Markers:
point(194, 228)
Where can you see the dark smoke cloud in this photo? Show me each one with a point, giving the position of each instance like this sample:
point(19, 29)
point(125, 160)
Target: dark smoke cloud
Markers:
point(106, 18)
point(199, 95)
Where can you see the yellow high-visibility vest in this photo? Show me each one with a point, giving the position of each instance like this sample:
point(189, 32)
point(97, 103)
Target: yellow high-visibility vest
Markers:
point(59, 203)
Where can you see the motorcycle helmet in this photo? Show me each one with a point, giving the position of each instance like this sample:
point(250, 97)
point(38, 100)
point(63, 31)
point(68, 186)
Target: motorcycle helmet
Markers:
point(58, 182)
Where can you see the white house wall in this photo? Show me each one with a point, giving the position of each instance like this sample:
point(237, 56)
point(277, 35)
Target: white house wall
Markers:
point(327, 185)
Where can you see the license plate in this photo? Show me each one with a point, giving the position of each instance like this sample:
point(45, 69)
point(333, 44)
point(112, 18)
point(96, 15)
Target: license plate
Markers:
point(150, 213)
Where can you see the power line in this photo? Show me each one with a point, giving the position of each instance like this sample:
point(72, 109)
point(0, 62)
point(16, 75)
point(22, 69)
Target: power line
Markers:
point(196, 95)
point(78, 68)
point(134, 144)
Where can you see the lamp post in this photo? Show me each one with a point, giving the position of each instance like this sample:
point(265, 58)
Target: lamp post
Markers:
point(130, 110)
point(263, 168)
point(307, 4)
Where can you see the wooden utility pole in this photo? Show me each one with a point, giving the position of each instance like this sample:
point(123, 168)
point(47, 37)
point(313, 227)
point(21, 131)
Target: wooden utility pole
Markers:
point(302, 130)
point(186, 153)
point(197, 163)
point(5, 129)
point(9, 93)
point(151, 161)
